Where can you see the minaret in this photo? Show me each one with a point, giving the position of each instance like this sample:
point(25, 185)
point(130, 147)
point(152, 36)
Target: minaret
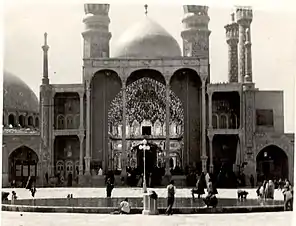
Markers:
point(45, 47)
point(96, 33)
point(45, 114)
point(248, 76)
point(195, 33)
point(232, 40)
point(244, 16)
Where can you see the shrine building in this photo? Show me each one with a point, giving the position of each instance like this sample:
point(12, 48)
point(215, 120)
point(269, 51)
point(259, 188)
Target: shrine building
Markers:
point(152, 89)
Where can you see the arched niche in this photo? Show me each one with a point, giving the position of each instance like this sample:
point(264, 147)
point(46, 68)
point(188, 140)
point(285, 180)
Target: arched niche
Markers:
point(11, 120)
point(227, 103)
point(272, 162)
point(67, 103)
point(22, 164)
point(36, 122)
point(65, 148)
point(22, 121)
point(145, 73)
point(186, 84)
point(105, 85)
point(30, 121)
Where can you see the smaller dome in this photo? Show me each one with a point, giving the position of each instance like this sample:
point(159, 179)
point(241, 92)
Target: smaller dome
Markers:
point(17, 95)
point(147, 39)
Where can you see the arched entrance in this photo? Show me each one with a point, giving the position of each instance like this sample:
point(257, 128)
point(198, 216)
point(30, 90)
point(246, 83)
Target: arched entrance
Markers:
point(150, 155)
point(186, 84)
point(23, 163)
point(272, 162)
point(145, 101)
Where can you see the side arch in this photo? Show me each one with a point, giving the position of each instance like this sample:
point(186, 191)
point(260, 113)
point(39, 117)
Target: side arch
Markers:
point(23, 162)
point(272, 162)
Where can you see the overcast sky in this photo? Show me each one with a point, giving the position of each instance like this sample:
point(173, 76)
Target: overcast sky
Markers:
point(273, 42)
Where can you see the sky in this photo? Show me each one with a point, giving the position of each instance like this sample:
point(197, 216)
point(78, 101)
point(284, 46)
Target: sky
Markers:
point(273, 33)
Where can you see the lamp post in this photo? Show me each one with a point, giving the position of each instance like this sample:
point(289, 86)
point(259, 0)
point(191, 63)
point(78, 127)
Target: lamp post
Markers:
point(145, 148)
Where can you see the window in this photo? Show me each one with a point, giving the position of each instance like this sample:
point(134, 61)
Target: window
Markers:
point(146, 130)
point(264, 117)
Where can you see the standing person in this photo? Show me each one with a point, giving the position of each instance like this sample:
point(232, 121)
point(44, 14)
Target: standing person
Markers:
point(207, 178)
point(201, 185)
point(46, 178)
point(171, 197)
point(252, 181)
point(69, 181)
point(109, 187)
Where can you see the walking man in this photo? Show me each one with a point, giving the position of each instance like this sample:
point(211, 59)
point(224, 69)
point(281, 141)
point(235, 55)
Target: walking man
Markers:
point(171, 197)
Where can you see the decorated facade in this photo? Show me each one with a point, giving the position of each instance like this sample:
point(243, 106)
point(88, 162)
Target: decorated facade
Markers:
point(150, 89)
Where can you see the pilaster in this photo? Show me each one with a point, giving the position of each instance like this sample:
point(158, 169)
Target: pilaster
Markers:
point(88, 129)
point(124, 154)
point(203, 127)
point(81, 140)
point(211, 137)
point(167, 126)
point(81, 126)
point(210, 96)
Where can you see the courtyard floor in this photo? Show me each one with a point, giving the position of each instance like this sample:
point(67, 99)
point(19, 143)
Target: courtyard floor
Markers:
point(50, 219)
point(123, 192)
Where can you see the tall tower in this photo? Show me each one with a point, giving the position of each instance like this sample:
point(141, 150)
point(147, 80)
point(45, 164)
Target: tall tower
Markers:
point(45, 113)
point(96, 34)
point(195, 32)
point(232, 40)
point(244, 17)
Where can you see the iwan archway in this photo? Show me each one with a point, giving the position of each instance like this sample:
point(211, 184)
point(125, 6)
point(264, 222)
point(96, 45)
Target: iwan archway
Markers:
point(272, 162)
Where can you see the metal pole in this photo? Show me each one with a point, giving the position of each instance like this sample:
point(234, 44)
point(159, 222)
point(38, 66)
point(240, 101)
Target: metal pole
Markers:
point(144, 176)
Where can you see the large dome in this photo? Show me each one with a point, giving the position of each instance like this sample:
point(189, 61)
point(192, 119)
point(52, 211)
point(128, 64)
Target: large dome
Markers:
point(146, 39)
point(17, 95)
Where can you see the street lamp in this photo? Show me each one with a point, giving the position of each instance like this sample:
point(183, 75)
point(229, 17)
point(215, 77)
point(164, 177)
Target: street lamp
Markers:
point(145, 148)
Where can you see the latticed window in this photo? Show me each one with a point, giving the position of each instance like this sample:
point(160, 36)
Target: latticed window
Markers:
point(215, 121)
point(223, 122)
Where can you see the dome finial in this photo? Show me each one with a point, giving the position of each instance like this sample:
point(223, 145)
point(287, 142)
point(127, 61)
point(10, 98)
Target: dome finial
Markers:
point(45, 38)
point(146, 9)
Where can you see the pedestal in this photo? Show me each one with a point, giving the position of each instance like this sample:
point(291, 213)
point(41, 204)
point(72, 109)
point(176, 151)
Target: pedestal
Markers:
point(146, 198)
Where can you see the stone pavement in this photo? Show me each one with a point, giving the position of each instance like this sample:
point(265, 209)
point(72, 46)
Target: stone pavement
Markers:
point(123, 192)
point(51, 219)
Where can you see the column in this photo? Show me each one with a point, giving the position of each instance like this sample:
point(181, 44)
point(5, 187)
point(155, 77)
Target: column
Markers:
point(81, 139)
point(210, 95)
point(241, 63)
point(123, 154)
point(81, 132)
point(167, 128)
point(203, 134)
point(211, 136)
point(87, 152)
point(81, 126)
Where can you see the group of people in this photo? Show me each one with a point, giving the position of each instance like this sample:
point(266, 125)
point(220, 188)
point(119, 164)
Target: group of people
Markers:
point(204, 181)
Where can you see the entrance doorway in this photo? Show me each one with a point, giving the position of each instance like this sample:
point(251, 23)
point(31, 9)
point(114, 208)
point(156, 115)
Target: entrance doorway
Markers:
point(23, 163)
point(272, 162)
point(150, 156)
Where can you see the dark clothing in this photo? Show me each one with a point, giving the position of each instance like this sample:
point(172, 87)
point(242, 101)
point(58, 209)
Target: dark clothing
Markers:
point(109, 188)
point(252, 181)
point(46, 177)
point(171, 201)
point(69, 182)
